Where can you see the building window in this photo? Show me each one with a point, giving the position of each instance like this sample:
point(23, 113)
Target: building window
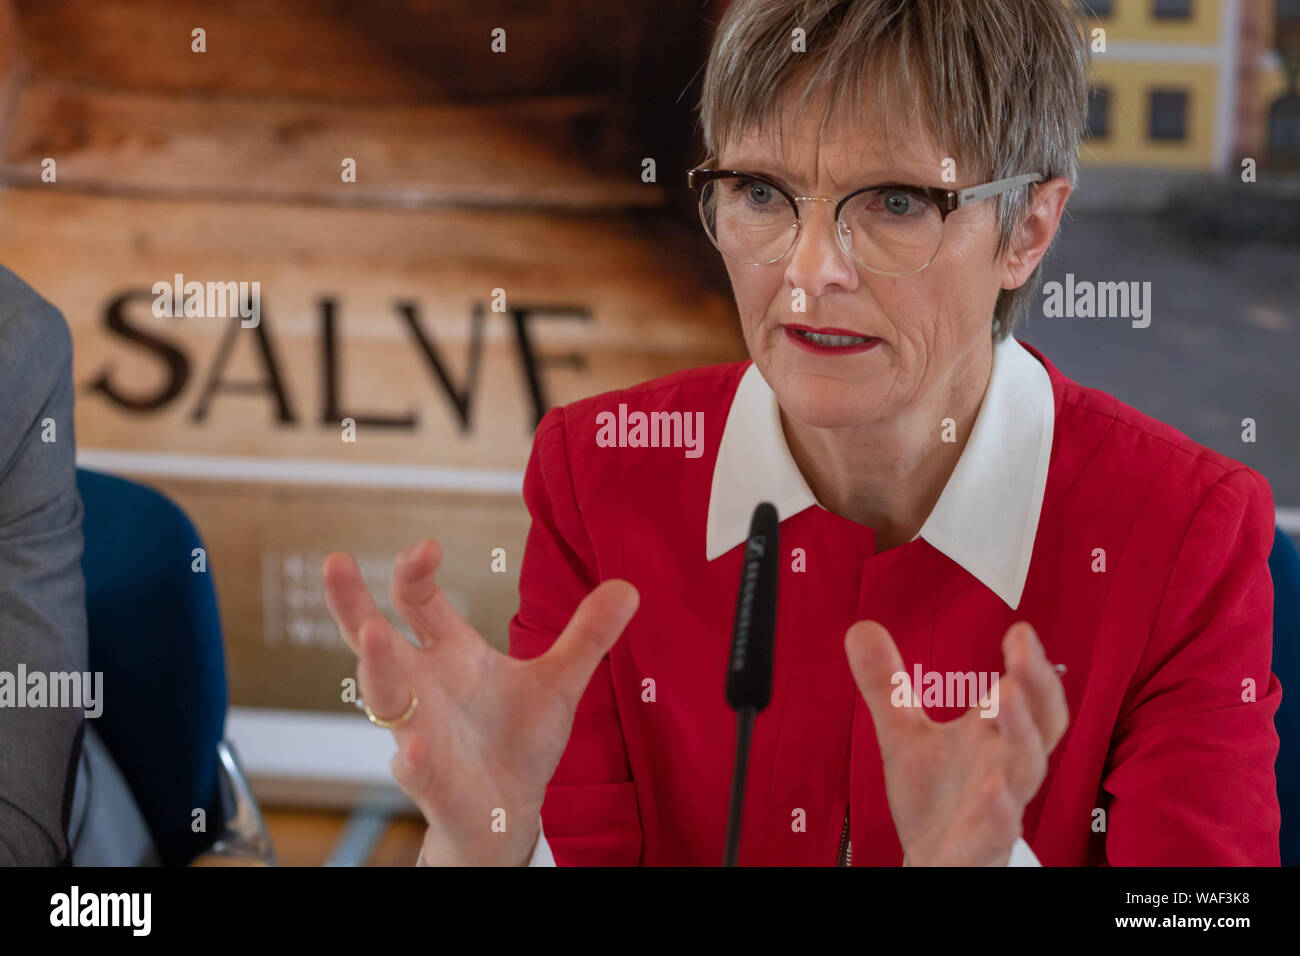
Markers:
point(1284, 132)
point(1172, 9)
point(1098, 124)
point(1096, 8)
point(1168, 111)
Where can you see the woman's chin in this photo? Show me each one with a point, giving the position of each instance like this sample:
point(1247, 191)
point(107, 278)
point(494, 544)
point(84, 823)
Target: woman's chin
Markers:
point(819, 396)
point(825, 404)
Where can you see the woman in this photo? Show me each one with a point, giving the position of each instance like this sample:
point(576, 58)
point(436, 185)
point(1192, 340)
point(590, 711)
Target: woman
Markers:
point(953, 510)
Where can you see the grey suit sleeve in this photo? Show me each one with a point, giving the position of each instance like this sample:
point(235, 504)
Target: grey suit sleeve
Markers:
point(42, 594)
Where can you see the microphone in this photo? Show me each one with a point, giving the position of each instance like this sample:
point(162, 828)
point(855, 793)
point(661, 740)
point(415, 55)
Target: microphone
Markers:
point(753, 636)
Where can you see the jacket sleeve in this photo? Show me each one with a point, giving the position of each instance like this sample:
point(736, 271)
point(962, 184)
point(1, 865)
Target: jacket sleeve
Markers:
point(590, 810)
point(1191, 770)
point(42, 594)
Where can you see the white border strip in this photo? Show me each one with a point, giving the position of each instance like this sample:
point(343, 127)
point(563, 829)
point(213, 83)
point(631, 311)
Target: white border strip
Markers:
point(310, 746)
point(300, 471)
point(1288, 519)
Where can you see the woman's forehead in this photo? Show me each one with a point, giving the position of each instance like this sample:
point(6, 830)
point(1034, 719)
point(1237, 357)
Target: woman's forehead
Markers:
point(839, 158)
point(862, 117)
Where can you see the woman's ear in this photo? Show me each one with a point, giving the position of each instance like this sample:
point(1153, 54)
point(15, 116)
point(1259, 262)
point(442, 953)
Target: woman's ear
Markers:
point(1032, 239)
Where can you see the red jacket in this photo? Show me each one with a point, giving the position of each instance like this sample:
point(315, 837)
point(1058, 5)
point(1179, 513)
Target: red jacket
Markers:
point(1167, 759)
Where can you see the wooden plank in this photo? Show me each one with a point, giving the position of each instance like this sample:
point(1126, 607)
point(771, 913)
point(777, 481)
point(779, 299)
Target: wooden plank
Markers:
point(380, 50)
point(400, 844)
point(633, 298)
point(306, 837)
point(566, 152)
point(11, 62)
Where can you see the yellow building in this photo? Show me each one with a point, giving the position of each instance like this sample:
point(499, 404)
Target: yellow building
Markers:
point(1182, 84)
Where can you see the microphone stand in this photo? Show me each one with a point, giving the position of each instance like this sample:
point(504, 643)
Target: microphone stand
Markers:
point(744, 730)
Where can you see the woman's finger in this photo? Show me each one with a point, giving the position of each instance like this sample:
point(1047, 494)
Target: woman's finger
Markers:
point(1025, 760)
point(383, 678)
point(1044, 692)
point(347, 597)
point(878, 671)
point(420, 601)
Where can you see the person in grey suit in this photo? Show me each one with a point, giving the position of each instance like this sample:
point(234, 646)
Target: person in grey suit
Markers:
point(42, 593)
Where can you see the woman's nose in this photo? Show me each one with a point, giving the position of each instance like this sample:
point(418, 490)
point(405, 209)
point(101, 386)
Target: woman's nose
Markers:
point(818, 258)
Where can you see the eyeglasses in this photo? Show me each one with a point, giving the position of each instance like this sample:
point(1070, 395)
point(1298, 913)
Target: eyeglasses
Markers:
point(891, 229)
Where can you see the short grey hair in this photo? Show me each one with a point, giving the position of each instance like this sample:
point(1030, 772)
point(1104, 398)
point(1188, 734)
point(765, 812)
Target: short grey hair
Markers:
point(1001, 85)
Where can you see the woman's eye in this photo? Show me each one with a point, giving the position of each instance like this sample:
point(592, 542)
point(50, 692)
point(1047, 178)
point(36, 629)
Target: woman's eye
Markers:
point(900, 203)
point(759, 193)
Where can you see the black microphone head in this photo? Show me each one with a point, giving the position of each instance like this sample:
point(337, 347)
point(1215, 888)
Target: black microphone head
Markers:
point(749, 675)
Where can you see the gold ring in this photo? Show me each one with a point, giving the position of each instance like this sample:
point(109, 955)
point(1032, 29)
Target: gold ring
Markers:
point(397, 722)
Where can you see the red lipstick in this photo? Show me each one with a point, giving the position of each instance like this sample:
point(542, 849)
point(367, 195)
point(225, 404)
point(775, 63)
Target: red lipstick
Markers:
point(800, 336)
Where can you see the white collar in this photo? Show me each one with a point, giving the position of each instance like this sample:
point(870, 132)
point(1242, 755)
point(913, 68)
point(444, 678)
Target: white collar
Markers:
point(985, 520)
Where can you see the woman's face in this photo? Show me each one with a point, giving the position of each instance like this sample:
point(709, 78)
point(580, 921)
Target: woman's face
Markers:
point(931, 326)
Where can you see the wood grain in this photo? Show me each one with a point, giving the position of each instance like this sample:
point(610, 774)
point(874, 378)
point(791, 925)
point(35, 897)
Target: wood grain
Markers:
point(306, 838)
point(341, 50)
point(577, 153)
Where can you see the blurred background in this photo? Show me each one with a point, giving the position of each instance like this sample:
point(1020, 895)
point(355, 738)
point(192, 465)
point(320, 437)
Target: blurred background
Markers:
point(463, 213)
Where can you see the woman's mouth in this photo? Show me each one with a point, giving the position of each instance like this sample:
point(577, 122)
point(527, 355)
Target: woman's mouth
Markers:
point(829, 341)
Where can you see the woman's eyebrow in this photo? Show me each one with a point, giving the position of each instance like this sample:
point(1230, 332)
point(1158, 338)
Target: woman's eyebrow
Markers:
point(769, 170)
point(782, 177)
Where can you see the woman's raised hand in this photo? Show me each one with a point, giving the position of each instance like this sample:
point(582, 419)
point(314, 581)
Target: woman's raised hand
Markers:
point(957, 790)
point(487, 730)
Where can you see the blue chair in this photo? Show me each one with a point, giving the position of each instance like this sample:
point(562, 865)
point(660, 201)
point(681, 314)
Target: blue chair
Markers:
point(155, 633)
point(1284, 563)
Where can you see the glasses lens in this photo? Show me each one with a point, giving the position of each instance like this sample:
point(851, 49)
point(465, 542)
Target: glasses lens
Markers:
point(891, 230)
point(748, 219)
